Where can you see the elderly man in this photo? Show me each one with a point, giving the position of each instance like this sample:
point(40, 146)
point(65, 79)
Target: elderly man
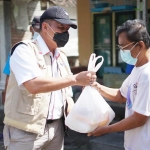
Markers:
point(39, 86)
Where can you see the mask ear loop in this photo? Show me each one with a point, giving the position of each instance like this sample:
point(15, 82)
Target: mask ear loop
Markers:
point(133, 46)
point(51, 29)
point(49, 35)
point(138, 54)
point(139, 51)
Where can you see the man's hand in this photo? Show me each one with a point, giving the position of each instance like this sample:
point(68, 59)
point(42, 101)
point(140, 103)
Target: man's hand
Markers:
point(96, 85)
point(85, 78)
point(99, 131)
point(70, 104)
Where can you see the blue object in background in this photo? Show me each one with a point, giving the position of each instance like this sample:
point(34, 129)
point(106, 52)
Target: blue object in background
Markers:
point(7, 66)
point(129, 68)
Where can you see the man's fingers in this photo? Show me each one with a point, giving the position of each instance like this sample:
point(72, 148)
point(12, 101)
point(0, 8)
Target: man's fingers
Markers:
point(92, 78)
point(96, 132)
point(86, 78)
point(94, 84)
point(91, 133)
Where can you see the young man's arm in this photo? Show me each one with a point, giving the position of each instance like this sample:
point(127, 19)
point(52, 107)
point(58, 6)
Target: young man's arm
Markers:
point(110, 93)
point(134, 121)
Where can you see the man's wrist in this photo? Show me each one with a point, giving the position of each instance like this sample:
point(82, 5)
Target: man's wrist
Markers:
point(72, 79)
point(99, 87)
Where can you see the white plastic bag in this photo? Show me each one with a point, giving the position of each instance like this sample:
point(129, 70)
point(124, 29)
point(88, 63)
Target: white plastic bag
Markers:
point(90, 110)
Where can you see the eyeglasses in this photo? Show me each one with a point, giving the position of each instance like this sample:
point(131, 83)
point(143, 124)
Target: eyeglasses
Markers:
point(120, 47)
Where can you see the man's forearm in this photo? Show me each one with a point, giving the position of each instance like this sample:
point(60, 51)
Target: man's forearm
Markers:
point(134, 121)
point(43, 85)
point(111, 94)
point(48, 84)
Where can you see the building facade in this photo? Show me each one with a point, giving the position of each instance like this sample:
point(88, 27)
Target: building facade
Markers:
point(97, 26)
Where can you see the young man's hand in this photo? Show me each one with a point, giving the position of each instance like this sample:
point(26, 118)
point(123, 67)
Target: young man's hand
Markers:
point(99, 131)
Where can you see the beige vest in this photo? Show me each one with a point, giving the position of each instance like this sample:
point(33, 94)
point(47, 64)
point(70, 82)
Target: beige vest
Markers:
point(27, 111)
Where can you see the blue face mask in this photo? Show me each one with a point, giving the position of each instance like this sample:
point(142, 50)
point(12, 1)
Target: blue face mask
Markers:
point(126, 56)
point(35, 35)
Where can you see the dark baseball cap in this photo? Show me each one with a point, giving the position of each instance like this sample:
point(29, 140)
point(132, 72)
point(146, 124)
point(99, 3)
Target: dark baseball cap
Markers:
point(59, 14)
point(36, 22)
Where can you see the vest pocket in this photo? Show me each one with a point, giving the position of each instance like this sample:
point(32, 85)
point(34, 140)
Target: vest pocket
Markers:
point(29, 104)
point(42, 64)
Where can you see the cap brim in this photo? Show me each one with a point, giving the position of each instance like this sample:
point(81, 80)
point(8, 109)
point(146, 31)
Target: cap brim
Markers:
point(67, 22)
point(37, 26)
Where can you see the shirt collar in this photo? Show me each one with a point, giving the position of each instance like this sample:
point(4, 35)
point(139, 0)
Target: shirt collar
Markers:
point(42, 45)
point(56, 55)
point(44, 48)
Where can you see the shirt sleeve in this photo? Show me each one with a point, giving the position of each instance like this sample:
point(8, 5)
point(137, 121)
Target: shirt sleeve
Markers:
point(23, 64)
point(142, 101)
point(7, 66)
point(124, 87)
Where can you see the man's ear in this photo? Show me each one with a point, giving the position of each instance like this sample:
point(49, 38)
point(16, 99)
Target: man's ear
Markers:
point(44, 27)
point(30, 28)
point(141, 45)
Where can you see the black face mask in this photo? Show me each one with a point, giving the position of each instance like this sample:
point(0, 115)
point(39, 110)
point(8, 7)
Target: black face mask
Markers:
point(61, 38)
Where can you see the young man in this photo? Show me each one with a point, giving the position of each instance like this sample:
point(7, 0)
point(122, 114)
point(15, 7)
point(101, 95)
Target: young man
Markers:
point(34, 29)
point(134, 44)
point(39, 86)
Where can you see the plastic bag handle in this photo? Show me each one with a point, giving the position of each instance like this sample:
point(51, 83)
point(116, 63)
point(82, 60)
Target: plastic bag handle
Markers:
point(99, 64)
point(92, 61)
point(91, 65)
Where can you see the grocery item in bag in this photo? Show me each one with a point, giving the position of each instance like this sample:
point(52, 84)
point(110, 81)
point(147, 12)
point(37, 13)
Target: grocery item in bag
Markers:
point(90, 110)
